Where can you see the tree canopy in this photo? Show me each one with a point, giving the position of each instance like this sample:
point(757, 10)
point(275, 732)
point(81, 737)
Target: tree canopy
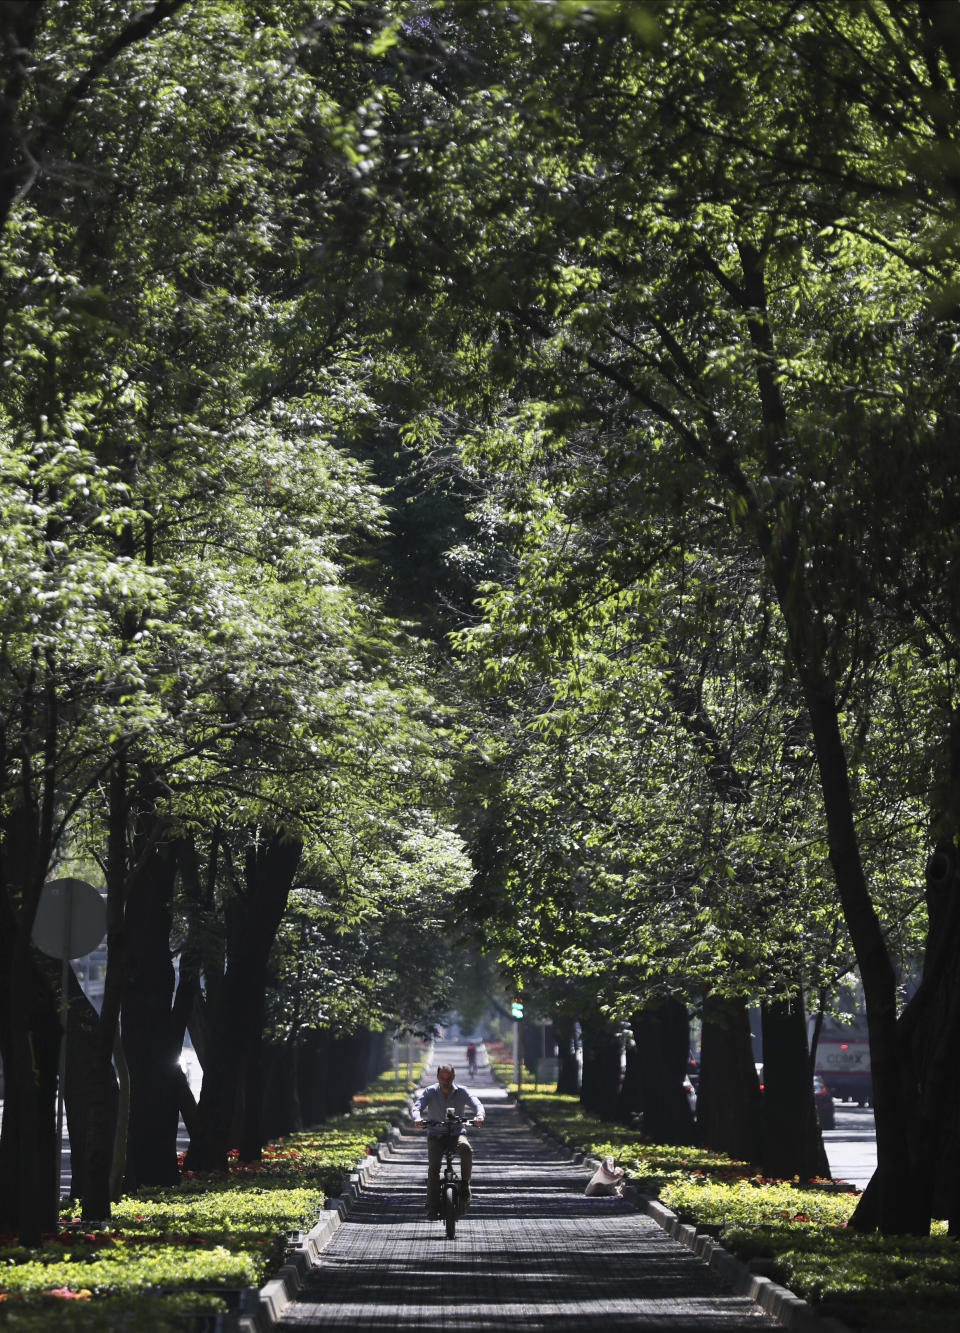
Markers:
point(481, 476)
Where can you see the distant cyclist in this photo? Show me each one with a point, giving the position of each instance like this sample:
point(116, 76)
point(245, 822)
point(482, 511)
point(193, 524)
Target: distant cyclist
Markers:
point(472, 1060)
point(430, 1108)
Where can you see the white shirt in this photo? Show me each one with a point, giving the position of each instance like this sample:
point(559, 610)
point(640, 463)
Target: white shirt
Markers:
point(433, 1105)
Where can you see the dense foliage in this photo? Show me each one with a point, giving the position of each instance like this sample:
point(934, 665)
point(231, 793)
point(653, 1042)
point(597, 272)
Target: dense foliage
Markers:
point(696, 330)
point(478, 470)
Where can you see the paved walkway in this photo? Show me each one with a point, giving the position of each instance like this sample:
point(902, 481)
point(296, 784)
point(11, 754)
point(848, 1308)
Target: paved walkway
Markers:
point(532, 1251)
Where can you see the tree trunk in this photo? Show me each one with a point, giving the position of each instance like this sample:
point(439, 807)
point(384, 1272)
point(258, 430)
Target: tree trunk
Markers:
point(930, 1025)
point(118, 1163)
point(311, 1075)
point(330, 1069)
point(929, 1032)
point(728, 1098)
point(251, 1137)
point(530, 1047)
point(569, 1073)
point(662, 1036)
point(98, 1168)
point(19, 22)
point(630, 1101)
point(253, 918)
point(29, 1151)
point(897, 1203)
point(898, 1198)
point(601, 1072)
point(378, 1057)
point(81, 1034)
point(150, 1043)
point(102, 1095)
point(82, 1023)
point(342, 1076)
point(792, 1140)
point(30, 1035)
point(282, 1112)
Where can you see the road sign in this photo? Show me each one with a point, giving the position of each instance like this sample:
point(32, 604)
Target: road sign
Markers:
point(516, 1009)
point(71, 919)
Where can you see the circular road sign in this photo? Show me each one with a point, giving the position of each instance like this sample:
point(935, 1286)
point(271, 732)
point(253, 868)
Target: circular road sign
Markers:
point(71, 919)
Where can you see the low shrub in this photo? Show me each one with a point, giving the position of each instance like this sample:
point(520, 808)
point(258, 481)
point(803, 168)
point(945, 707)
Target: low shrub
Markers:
point(751, 1201)
point(146, 1312)
point(111, 1264)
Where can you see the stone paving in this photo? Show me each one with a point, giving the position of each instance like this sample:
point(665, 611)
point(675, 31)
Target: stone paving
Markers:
point(532, 1250)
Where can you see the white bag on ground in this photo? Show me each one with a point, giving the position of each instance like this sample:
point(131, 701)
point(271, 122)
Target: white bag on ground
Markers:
point(607, 1179)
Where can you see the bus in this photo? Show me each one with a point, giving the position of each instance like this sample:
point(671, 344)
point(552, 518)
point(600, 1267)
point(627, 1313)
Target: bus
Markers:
point(843, 1060)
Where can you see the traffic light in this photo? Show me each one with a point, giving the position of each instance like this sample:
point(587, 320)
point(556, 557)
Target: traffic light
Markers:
point(516, 1009)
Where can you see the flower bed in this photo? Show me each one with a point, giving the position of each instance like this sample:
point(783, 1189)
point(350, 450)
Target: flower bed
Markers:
point(169, 1252)
point(797, 1236)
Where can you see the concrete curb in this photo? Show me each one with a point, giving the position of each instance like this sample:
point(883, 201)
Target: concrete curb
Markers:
point(289, 1280)
point(789, 1310)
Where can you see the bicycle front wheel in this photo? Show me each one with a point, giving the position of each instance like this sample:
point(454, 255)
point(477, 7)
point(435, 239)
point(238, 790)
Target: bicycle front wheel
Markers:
point(450, 1211)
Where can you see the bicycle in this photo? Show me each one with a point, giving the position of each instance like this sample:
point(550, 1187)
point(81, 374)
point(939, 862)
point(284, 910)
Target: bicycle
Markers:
point(450, 1182)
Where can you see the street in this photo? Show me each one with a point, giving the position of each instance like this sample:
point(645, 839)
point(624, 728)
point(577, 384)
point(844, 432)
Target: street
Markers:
point(852, 1146)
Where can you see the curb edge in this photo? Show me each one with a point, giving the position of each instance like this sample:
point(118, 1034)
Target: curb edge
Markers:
point(790, 1310)
point(288, 1281)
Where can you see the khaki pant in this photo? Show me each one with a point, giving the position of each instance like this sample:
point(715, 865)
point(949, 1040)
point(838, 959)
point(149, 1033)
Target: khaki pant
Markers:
point(436, 1148)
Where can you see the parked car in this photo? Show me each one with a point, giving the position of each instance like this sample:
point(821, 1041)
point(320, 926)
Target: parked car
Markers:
point(823, 1098)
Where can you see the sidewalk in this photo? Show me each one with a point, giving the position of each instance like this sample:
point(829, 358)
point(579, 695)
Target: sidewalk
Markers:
point(531, 1251)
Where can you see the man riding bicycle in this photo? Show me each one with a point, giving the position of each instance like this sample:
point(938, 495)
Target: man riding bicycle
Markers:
point(431, 1108)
